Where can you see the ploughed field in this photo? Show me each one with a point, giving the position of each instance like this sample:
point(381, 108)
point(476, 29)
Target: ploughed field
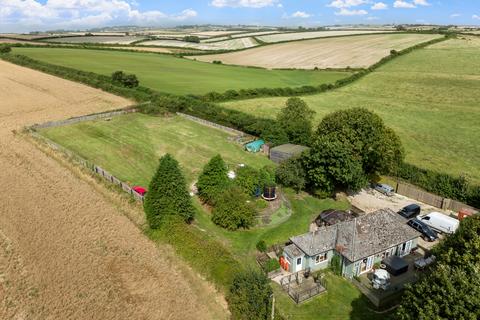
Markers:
point(339, 52)
point(179, 76)
point(430, 97)
point(66, 251)
point(129, 146)
point(228, 44)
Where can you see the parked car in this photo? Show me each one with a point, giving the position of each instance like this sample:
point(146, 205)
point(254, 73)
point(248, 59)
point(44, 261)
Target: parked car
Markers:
point(440, 222)
point(410, 211)
point(427, 233)
point(385, 189)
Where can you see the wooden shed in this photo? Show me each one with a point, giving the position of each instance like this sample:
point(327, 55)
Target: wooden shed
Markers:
point(285, 152)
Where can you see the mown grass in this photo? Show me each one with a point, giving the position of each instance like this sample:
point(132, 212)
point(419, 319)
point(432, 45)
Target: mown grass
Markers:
point(430, 97)
point(170, 74)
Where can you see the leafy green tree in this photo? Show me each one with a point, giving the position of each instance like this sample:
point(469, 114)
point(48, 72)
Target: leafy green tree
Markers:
point(290, 173)
point(250, 296)
point(275, 135)
point(232, 210)
point(247, 179)
point(213, 180)
point(130, 81)
point(267, 176)
point(118, 76)
point(445, 293)
point(350, 146)
point(167, 194)
point(296, 119)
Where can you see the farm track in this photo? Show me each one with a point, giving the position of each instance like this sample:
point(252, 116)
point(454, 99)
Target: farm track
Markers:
point(66, 252)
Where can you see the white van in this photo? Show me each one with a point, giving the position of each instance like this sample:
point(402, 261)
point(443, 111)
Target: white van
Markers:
point(440, 222)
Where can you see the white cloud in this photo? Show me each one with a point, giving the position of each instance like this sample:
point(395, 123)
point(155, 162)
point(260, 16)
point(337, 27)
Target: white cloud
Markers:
point(243, 3)
point(347, 12)
point(421, 2)
point(20, 15)
point(476, 17)
point(403, 4)
point(379, 6)
point(347, 3)
point(301, 14)
point(455, 15)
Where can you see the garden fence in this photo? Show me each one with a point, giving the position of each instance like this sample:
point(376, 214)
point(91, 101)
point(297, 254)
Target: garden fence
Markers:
point(212, 124)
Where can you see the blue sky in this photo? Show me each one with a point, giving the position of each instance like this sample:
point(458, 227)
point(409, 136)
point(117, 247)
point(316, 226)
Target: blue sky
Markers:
point(28, 15)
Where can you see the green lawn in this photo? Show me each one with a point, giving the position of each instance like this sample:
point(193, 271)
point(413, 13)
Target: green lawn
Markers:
point(179, 76)
point(341, 301)
point(129, 146)
point(430, 97)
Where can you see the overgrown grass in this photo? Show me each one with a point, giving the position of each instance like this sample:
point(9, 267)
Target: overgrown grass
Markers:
point(430, 97)
point(179, 76)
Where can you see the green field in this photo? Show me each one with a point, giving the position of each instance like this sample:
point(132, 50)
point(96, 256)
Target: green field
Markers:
point(179, 76)
point(431, 97)
point(130, 146)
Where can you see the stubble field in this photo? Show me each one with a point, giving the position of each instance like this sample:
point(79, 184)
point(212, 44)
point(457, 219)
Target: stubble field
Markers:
point(430, 97)
point(342, 52)
point(66, 252)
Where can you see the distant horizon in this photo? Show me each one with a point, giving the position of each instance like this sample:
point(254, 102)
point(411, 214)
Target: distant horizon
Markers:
point(23, 16)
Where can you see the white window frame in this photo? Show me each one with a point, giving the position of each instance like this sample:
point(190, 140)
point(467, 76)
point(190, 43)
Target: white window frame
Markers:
point(323, 255)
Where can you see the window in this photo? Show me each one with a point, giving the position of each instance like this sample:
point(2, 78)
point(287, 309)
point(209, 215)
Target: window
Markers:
point(320, 258)
point(299, 261)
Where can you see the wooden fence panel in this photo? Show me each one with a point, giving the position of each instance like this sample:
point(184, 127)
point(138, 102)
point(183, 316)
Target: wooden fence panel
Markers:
point(413, 192)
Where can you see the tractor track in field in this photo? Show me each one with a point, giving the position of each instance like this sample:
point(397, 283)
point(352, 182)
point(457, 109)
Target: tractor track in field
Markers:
point(66, 251)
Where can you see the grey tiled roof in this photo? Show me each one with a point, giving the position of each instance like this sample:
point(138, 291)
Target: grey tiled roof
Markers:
point(372, 233)
point(293, 251)
point(313, 243)
point(358, 238)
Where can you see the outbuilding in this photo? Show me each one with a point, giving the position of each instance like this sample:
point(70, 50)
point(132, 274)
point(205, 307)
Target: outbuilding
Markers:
point(285, 152)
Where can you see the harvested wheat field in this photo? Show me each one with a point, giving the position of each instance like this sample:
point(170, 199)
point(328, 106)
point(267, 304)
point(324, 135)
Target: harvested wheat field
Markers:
point(66, 252)
point(355, 52)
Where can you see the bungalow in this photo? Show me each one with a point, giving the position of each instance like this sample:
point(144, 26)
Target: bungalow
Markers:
point(359, 244)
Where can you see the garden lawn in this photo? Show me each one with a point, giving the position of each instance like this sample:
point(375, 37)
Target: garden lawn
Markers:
point(129, 146)
point(430, 97)
point(341, 301)
point(166, 73)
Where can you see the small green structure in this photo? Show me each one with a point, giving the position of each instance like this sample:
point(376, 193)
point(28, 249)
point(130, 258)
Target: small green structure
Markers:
point(255, 146)
point(285, 152)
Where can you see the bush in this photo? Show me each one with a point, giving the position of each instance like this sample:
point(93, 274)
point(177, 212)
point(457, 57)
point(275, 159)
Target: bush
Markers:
point(193, 39)
point(272, 265)
point(336, 265)
point(126, 80)
point(248, 180)
point(167, 194)
point(232, 210)
point(5, 49)
point(250, 296)
point(290, 173)
point(217, 62)
point(213, 180)
point(261, 246)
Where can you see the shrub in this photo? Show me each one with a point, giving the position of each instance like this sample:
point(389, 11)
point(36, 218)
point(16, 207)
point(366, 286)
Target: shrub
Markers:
point(261, 246)
point(213, 180)
point(193, 39)
point(126, 80)
point(248, 180)
point(232, 210)
point(272, 265)
point(335, 265)
point(290, 173)
point(5, 49)
point(167, 194)
point(217, 62)
point(250, 296)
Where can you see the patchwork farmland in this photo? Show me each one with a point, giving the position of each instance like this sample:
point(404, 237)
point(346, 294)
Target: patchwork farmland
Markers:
point(62, 243)
point(229, 44)
point(415, 94)
point(292, 36)
point(180, 76)
point(342, 52)
point(97, 39)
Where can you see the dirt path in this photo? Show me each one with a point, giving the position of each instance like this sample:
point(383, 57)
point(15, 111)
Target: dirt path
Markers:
point(65, 251)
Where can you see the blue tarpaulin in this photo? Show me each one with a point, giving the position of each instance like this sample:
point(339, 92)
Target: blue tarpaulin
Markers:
point(255, 146)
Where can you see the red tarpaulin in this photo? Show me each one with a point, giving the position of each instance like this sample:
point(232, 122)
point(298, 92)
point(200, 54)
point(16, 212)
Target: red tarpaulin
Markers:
point(140, 190)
